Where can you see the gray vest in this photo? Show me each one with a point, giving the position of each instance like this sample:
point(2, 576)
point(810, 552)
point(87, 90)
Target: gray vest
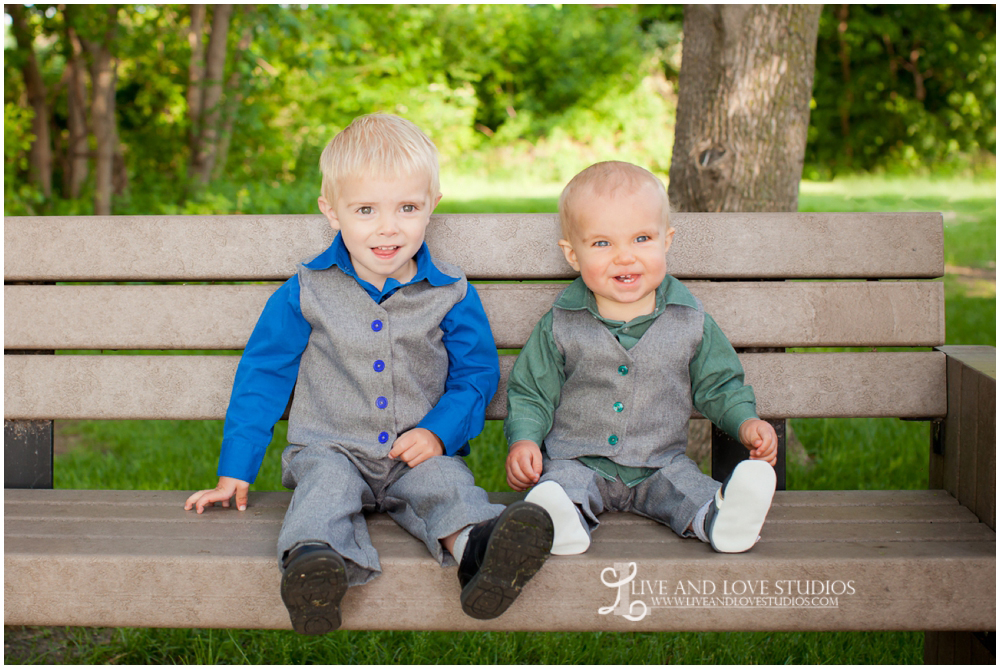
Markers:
point(630, 406)
point(370, 371)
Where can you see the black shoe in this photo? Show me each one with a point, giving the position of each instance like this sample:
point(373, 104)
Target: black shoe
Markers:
point(312, 585)
point(502, 554)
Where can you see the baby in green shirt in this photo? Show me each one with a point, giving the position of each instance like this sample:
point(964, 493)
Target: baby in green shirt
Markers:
point(607, 381)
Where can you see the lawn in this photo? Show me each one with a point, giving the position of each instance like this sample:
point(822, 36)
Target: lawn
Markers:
point(182, 455)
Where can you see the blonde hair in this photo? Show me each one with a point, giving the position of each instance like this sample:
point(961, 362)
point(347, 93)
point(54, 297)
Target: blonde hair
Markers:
point(377, 145)
point(605, 180)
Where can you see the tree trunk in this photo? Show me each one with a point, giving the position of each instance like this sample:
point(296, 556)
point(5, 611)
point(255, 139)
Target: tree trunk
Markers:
point(103, 74)
point(41, 148)
point(207, 143)
point(234, 94)
point(196, 73)
point(743, 107)
point(78, 158)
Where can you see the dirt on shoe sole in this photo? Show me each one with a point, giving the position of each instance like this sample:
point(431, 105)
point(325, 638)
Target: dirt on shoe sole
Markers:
point(517, 549)
point(311, 589)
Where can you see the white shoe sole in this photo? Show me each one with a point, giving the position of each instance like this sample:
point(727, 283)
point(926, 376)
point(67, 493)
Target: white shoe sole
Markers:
point(741, 514)
point(570, 537)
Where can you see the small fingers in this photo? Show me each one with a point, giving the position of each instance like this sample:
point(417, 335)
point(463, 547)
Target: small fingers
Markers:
point(515, 484)
point(514, 470)
point(211, 498)
point(536, 465)
point(196, 499)
point(415, 458)
point(192, 499)
point(242, 496)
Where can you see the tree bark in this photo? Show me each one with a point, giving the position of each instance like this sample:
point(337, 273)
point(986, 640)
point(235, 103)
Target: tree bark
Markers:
point(103, 74)
point(207, 144)
point(196, 73)
point(844, 53)
point(41, 149)
point(743, 107)
point(78, 151)
point(234, 94)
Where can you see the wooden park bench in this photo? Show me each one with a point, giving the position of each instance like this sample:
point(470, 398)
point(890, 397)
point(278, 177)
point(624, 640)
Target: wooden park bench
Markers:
point(828, 560)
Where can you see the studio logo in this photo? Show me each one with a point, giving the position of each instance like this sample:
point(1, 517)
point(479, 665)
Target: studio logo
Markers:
point(622, 575)
point(635, 598)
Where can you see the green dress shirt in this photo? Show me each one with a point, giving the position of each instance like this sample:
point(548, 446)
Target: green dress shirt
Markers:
point(535, 383)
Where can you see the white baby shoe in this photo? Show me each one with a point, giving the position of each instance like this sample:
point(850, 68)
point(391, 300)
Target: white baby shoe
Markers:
point(740, 506)
point(571, 537)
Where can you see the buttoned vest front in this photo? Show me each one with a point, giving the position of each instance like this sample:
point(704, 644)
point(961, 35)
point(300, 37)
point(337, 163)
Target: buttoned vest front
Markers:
point(630, 406)
point(370, 371)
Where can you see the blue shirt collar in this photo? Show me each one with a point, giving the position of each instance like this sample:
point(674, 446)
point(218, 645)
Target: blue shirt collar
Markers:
point(338, 256)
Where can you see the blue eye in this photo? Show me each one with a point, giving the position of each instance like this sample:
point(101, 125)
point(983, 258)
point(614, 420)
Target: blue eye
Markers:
point(365, 211)
point(409, 208)
point(601, 243)
point(642, 238)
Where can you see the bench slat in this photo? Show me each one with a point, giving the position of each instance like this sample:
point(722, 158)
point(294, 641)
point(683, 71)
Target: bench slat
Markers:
point(493, 246)
point(904, 575)
point(907, 385)
point(766, 314)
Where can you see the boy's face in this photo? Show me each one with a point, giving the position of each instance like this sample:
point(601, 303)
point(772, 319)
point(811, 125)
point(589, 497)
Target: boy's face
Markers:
point(619, 245)
point(382, 221)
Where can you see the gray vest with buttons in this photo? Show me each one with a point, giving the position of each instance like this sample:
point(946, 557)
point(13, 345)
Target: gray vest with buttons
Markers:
point(630, 406)
point(370, 371)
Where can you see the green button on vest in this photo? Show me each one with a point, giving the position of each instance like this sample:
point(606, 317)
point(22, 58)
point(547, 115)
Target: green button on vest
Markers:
point(623, 370)
point(613, 439)
point(619, 407)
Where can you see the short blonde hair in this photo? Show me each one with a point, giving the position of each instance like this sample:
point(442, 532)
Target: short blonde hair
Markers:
point(377, 145)
point(605, 180)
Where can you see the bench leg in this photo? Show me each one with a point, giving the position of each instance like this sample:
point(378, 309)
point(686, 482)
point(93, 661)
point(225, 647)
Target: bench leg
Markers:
point(960, 648)
point(27, 453)
point(728, 452)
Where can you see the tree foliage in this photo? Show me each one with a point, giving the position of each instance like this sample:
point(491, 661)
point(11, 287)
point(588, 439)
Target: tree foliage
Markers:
point(534, 90)
point(908, 85)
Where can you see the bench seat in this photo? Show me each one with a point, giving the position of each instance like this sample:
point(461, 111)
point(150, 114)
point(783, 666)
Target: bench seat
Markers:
point(900, 560)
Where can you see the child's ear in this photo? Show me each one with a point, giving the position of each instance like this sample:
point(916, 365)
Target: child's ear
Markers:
point(570, 254)
point(668, 239)
point(436, 200)
point(328, 211)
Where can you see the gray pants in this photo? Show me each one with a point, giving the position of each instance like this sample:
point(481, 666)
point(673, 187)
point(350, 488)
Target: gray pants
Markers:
point(671, 496)
point(333, 491)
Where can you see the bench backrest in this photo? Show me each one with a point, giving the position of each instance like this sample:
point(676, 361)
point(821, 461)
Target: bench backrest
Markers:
point(770, 280)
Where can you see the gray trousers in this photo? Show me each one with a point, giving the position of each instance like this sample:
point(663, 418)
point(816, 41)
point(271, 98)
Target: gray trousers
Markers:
point(671, 496)
point(333, 491)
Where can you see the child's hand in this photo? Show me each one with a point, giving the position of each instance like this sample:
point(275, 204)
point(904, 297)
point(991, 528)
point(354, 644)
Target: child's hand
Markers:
point(415, 446)
point(759, 436)
point(222, 493)
point(524, 465)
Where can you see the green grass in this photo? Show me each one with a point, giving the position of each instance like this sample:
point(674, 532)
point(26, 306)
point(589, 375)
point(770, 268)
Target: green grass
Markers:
point(846, 454)
point(209, 647)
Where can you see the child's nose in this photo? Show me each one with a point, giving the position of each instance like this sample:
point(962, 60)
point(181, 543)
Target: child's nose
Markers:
point(388, 225)
point(625, 256)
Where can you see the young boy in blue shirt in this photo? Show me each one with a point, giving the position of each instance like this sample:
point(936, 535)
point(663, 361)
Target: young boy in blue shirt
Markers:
point(393, 363)
point(609, 375)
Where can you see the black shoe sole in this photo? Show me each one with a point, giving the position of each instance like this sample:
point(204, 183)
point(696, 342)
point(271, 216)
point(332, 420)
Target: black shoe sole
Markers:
point(517, 549)
point(311, 589)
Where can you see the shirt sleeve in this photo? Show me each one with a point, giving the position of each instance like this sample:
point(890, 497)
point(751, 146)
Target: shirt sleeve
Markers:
point(473, 375)
point(264, 381)
point(535, 386)
point(717, 387)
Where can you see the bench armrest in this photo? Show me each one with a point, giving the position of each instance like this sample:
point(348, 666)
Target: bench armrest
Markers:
point(963, 453)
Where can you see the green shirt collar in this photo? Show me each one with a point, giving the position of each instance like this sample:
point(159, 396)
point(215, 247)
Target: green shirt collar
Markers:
point(670, 291)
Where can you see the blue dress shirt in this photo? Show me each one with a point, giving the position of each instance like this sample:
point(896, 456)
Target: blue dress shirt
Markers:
point(270, 364)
